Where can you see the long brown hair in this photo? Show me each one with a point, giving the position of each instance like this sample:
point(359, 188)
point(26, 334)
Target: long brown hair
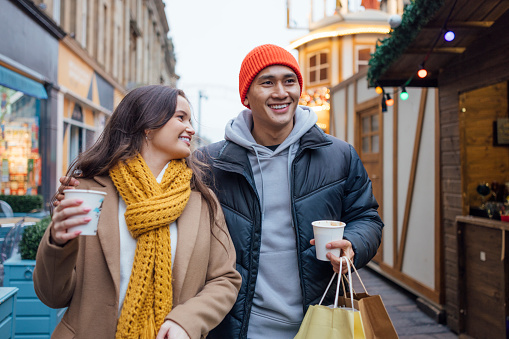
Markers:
point(143, 108)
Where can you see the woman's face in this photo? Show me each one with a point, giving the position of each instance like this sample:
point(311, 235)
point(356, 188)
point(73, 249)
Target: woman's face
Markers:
point(173, 140)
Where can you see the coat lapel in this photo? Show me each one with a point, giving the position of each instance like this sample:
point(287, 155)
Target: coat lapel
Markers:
point(107, 231)
point(187, 224)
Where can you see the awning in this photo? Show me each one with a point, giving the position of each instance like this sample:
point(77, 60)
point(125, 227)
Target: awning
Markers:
point(416, 43)
point(23, 84)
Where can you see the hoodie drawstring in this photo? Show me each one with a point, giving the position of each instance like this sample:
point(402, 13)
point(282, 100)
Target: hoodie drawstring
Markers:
point(263, 184)
point(290, 159)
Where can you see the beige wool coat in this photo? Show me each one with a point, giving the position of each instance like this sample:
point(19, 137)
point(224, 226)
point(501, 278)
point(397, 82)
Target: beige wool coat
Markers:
point(84, 274)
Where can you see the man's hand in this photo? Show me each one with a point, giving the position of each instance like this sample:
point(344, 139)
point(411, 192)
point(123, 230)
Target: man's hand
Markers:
point(63, 181)
point(171, 330)
point(346, 250)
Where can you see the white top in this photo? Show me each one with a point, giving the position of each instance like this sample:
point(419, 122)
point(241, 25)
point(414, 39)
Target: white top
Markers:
point(128, 246)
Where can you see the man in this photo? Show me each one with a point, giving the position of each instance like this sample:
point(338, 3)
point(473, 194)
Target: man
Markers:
point(274, 174)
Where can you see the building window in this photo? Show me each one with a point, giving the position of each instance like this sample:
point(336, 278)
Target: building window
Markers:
point(370, 133)
point(19, 143)
point(318, 70)
point(78, 136)
point(363, 54)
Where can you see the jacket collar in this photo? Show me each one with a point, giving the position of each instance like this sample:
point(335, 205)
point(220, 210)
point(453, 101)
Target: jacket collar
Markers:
point(188, 226)
point(314, 138)
point(233, 154)
point(109, 236)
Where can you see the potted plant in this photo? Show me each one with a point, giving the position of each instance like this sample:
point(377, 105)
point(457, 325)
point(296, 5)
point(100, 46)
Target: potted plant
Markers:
point(18, 273)
point(31, 238)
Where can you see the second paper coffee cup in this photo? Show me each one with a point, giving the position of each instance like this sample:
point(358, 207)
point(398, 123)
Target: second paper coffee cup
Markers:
point(326, 231)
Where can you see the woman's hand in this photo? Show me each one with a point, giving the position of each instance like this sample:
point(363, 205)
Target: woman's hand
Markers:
point(63, 181)
point(346, 250)
point(61, 220)
point(171, 330)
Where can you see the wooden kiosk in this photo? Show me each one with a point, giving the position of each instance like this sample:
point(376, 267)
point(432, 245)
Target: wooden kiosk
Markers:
point(471, 75)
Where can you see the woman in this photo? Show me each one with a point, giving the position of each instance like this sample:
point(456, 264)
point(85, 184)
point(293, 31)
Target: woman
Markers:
point(140, 277)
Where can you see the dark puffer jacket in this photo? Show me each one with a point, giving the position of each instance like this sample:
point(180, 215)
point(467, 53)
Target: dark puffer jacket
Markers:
point(328, 182)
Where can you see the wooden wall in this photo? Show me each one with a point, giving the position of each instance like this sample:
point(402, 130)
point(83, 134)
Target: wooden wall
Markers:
point(481, 160)
point(484, 63)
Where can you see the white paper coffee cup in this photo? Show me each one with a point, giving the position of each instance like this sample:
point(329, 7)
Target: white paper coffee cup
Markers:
point(92, 199)
point(326, 231)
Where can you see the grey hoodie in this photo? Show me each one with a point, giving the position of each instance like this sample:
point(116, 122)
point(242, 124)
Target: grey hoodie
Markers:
point(277, 310)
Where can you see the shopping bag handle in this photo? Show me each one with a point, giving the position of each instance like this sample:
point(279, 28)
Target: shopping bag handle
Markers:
point(327, 289)
point(349, 280)
point(358, 276)
point(339, 282)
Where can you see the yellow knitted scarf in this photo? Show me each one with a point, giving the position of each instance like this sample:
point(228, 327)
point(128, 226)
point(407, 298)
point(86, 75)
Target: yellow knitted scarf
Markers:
point(151, 207)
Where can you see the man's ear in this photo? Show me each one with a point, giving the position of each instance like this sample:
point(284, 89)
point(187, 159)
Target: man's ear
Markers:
point(246, 102)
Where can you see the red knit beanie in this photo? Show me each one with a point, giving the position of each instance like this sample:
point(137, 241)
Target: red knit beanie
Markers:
point(261, 57)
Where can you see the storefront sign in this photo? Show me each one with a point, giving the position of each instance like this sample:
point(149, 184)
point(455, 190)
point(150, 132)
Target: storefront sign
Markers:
point(75, 75)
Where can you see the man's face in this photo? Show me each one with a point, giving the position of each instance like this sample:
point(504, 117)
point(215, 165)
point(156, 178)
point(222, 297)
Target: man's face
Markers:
point(273, 97)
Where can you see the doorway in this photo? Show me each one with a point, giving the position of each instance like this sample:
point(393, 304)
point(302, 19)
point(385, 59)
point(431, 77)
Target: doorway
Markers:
point(368, 143)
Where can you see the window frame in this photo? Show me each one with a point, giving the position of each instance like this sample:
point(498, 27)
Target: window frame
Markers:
point(318, 68)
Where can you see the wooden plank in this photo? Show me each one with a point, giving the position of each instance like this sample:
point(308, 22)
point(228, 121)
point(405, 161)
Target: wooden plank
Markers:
point(449, 158)
point(462, 24)
point(450, 144)
point(413, 170)
point(395, 161)
point(482, 279)
point(411, 283)
point(484, 222)
point(380, 252)
point(439, 283)
point(332, 119)
point(450, 129)
point(452, 186)
point(347, 113)
point(451, 172)
point(368, 104)
point(455, 297)
point(437, 50)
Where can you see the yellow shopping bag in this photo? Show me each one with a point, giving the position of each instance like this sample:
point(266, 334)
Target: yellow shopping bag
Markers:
point(329, 323)
point(339, 321)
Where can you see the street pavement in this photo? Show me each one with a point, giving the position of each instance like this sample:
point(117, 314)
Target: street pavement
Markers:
point(408, 320)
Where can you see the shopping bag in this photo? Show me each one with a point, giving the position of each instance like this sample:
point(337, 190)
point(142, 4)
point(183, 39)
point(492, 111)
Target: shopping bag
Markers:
point(376, 322)
point(331, 322)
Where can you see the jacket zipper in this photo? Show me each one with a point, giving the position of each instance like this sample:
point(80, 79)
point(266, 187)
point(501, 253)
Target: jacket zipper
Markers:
point(228, 167)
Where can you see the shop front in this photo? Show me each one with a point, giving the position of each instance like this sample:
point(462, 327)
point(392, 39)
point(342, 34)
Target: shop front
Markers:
point(28, 98)
point(20, 118)
point(86, 101)
point(472, 79)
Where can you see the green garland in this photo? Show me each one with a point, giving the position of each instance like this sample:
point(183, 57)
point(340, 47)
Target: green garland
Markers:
point(415, 16)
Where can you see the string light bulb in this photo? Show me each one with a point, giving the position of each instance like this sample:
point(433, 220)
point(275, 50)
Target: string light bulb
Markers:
point(449, 36)
point(389, 101)
point(422, 73)
point(404, 94)
point(379, 90)
point(384, 106)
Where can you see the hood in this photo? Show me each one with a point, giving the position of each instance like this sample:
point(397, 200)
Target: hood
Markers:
point(238, 130)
